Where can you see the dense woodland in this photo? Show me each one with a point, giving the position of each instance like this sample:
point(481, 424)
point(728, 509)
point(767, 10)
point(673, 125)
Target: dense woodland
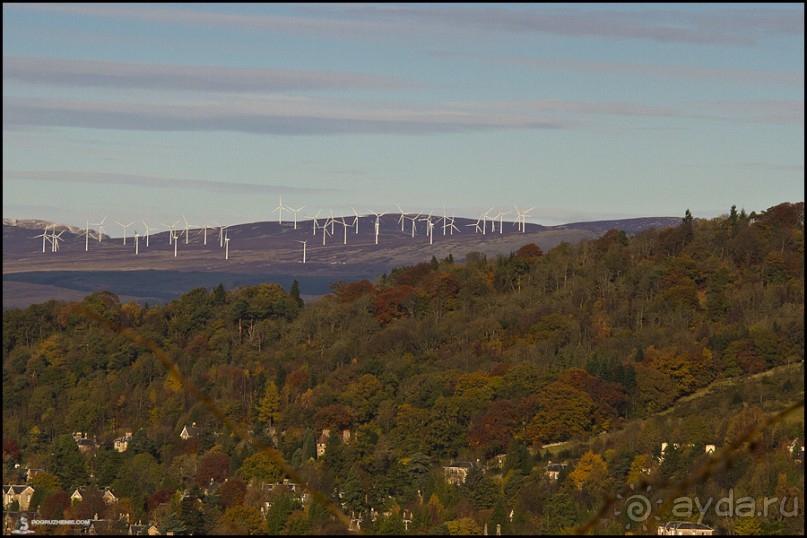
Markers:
point(444, 361)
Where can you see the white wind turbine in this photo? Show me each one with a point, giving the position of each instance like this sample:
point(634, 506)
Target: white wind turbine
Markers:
point(303, 242)
point(452, 227)
point(44, 236)
point(500, 216)
point(137, 245)
point(429, 228)
point(402, 219)
point(355, 220)
point(187, 228)
point(100, 228)
point(204, 232)
point(521, 219)
point(476, 225)
point(324, 228)
point(377, 224)
point(54, 240)
point(345, 225)
point(314, 219)
point(147, 232)
point(87, 237)
point(295, 211)
point(226, 248)
point(171, 236)
point(124, 226)
point(175, 238)
point(279, 209)
point(222, 231)
point(414, 227)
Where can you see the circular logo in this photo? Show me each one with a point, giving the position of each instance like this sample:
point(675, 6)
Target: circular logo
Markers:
point(638, 507)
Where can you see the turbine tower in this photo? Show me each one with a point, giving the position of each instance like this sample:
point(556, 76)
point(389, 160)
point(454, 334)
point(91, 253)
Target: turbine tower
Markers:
point(279, 210)
point(147, 232)
point(187, 228)
point(137, 246)
point(44, 236)
point(226, 248)
point(377, 224)
point(124, 226)
point(303, 242)
point(87, 237)
point(295, 211)
point(100, 228)
point(54, 239)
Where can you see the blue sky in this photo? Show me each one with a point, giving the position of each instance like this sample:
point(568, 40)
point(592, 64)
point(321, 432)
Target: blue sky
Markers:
point(583, 111)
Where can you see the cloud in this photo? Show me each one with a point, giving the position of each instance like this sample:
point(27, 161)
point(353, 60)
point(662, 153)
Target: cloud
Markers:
point(262, 115)
point(139, 180)
point(717, 24)
point(173, 77)
point(643, 70)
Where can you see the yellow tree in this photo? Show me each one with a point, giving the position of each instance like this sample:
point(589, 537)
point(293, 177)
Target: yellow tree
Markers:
point(589, 470)
point(268, 407)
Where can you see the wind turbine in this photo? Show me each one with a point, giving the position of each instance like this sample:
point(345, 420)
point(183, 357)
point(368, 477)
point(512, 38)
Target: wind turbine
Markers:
point(54, 240)
point(171, 236)
point(226, 248)
point(377, 224)
point(501, 222)
point(137, 248)
point(521, 220)
point(175, 238)
point(345, 226)
point(147, 232)
point(325, 231)
point(295, 211)
point(429, 228)
point(204, 231)
point(44, 236)
point(303, 242)
point(314, 218)
point(187, 228)
point(87, 237)
point(222, 231)
point(279, 209)
point(356, 220)
point(402, 219)
point(124, 226)
point(414, 227)
point(100, 228)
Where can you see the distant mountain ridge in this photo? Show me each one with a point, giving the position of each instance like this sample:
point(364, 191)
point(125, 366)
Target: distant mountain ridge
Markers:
point(258, 251)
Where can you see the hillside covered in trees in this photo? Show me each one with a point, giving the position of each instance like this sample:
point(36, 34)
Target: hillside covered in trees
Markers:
point(442, 362)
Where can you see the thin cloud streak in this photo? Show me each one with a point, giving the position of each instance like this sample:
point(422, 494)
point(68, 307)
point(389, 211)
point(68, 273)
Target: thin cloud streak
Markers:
point(173, 77)
point(139, 180)
point(743, 26)
point(643, 70)
point(261, 116)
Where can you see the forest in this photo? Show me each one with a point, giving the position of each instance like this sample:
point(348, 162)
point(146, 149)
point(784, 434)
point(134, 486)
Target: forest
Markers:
point(589, 355)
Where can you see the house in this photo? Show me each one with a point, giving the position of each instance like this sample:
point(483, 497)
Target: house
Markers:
point(143, 530)
point(553, 470)
point(122, 443)
point(20, 493)
point(187, 432)
point(31, 472)
point(85, 444)
point(268, 490)
point(322, 442)
point(456, 472)
point(106, 495)
point(106, 527)
point(684, 528)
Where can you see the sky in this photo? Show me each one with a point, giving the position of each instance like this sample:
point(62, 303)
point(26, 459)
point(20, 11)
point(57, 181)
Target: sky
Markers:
point(222, 112)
